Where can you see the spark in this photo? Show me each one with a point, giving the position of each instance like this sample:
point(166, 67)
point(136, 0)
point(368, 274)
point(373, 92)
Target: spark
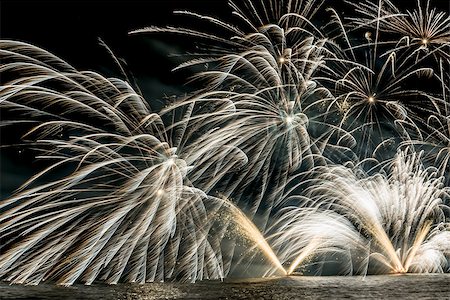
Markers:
point(289, 120)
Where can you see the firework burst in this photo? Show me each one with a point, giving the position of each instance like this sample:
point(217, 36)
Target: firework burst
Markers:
point(419, 32)
point(262, 97)
point(126, 211)
point(391, 223)
point(374, 95)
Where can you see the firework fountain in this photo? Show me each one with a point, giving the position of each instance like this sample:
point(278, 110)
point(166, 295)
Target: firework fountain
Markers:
point(323, 141)
point(394, 221)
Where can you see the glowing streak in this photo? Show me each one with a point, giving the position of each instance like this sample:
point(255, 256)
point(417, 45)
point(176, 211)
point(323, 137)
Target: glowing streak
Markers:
point(252, 233)
point(380, 235)
point(417, 243)
point(305, 253)
point(397, 219)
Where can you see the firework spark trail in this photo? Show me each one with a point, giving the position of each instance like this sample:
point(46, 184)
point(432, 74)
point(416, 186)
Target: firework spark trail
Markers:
point(422, 31)
point(127, 212)
point(398, 219)
point(262, 97)
point(436, 143)
point(302, 234)
point(252, 233)
point(376, 101)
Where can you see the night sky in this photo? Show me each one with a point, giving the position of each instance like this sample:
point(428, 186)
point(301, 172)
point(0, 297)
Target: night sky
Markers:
point(70, 29)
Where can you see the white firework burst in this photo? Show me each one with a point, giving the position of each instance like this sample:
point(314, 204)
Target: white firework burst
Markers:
point(375, 100)
point(281, 101)
point(419, 32)
point(394, 223)
point(261, 96)
point(127, 210)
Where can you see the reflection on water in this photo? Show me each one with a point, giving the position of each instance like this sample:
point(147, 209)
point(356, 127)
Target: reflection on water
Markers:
point(432, 286)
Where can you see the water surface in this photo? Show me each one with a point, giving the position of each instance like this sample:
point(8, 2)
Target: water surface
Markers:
point(430, 286)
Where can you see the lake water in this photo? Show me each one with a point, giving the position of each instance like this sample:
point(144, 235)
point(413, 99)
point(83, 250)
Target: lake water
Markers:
point(430, 286)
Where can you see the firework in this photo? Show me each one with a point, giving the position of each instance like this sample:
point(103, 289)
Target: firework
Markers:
point(377, 102)
point(126, 211)
point(436, 143)
point(420, 32)
point(262, 97)
point(391, 223)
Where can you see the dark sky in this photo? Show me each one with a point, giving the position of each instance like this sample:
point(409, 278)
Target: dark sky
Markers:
point(70, 29)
